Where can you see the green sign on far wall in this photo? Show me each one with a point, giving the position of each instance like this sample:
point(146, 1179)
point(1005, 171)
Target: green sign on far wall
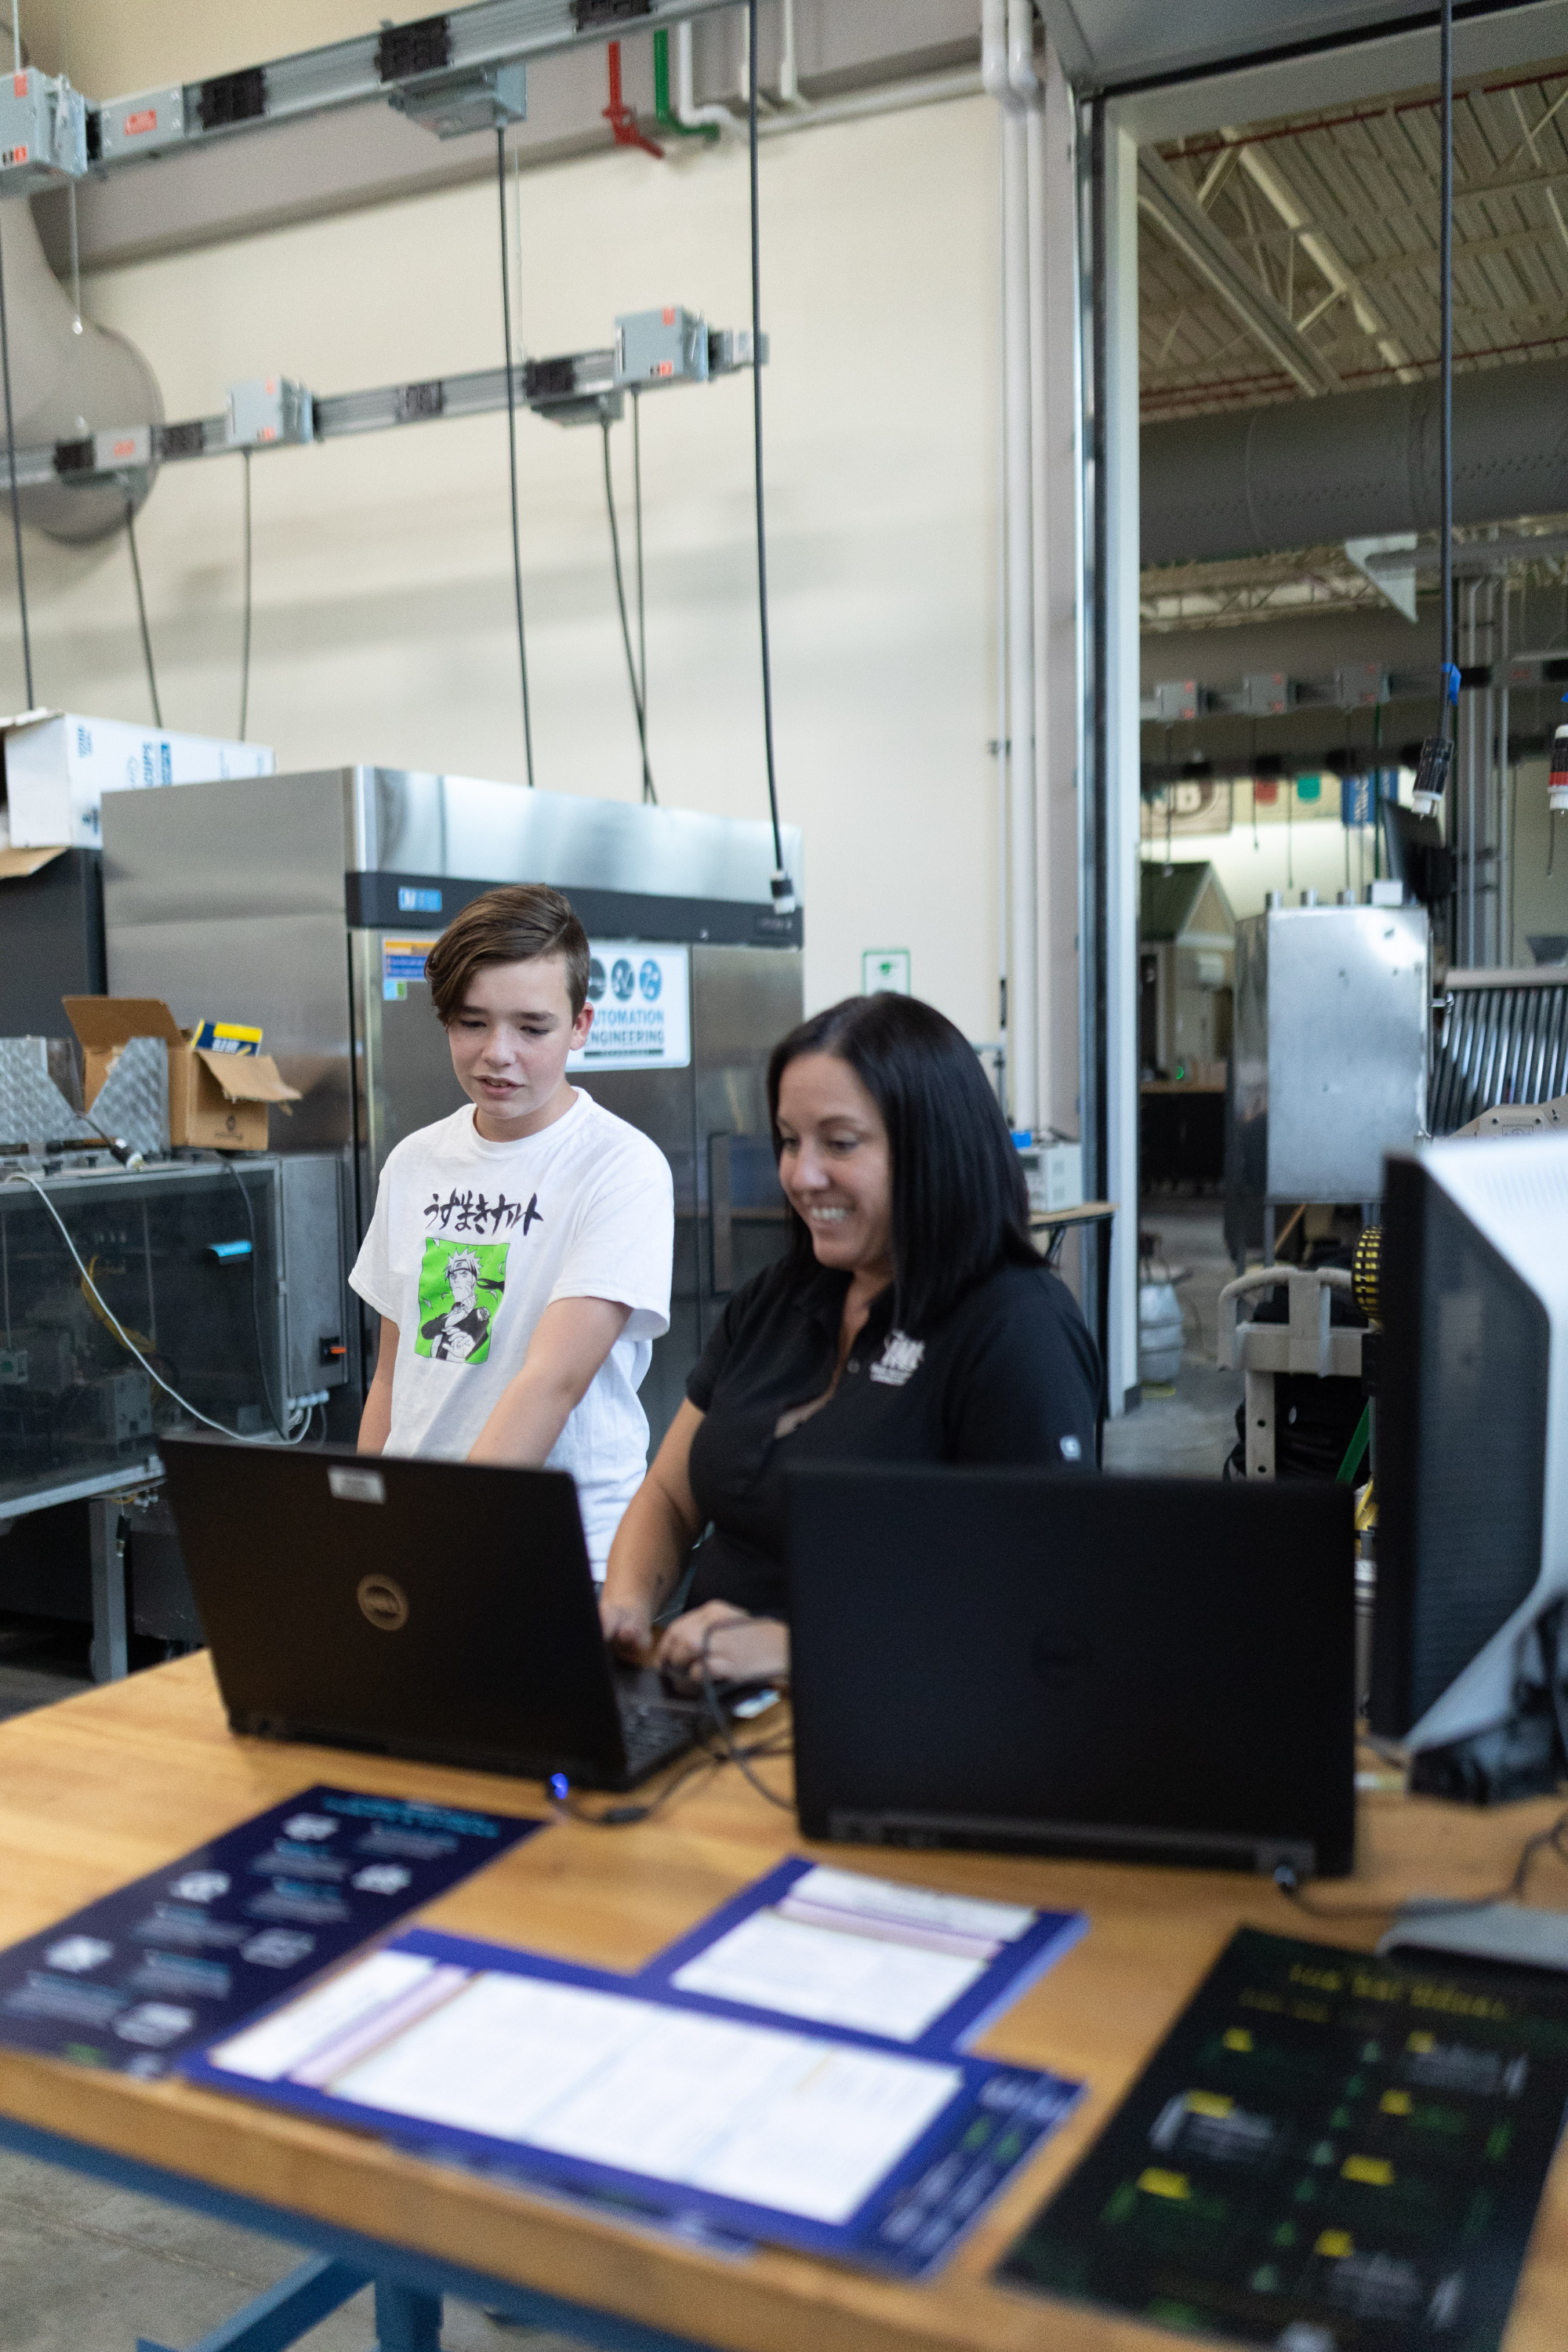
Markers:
point(885, 970)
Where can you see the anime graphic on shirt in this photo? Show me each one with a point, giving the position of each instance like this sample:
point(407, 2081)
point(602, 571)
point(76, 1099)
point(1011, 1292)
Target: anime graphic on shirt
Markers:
point(460, 1288)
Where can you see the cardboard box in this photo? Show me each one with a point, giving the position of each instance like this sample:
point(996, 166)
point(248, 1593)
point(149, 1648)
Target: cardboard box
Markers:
point(58, 767)
point(219, 1101)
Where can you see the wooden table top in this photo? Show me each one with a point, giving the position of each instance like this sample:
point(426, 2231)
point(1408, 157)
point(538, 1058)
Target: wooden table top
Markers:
point(1088, 1212)
point(103, 1788)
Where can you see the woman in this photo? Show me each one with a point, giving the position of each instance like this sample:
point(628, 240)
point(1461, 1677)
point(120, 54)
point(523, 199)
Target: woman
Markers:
point(909, 1320)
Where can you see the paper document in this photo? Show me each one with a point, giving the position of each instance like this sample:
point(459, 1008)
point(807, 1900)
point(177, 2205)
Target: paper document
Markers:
point(863, 1953)
point(773, 2117)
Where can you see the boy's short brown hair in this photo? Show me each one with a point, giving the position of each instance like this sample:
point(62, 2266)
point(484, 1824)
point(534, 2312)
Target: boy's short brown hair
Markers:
point(521, 923)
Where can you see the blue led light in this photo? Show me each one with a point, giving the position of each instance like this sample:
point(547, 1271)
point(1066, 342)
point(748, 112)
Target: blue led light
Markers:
point(559, 1785)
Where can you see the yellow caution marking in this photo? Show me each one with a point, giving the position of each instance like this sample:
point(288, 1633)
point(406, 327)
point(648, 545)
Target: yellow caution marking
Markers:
point(1374, 2171)
point(1336, 2244)
point(1155, 2183)
point(1238, 2038)
point(1395, 2102)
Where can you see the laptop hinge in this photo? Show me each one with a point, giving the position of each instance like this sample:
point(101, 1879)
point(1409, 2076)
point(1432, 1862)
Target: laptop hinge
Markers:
point(1200, 1848)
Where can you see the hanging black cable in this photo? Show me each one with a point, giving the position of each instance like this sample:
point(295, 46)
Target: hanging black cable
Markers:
point(1438, 750)
point(141, 607)
point(15, 510)
point(647, 790)
point(511, 458)
point(782, 887)
point(637, 510)
point(1445, 291)
point(245, 642)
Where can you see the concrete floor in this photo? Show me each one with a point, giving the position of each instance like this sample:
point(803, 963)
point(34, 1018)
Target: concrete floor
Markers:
point(1187, 1435)
point(88, 2269)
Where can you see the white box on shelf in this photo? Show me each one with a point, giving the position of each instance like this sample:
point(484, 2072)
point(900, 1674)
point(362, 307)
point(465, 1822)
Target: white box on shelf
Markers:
point(59, 766)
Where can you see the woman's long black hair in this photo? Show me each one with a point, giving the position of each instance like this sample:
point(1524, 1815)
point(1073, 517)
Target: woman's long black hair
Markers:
point(960, 1208)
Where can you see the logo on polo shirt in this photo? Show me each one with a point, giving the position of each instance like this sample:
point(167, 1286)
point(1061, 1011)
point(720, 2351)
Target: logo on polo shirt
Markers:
point(898, 1358)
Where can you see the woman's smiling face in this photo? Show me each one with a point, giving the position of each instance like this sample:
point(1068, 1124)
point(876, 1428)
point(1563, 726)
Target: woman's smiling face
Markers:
point(835, 1164)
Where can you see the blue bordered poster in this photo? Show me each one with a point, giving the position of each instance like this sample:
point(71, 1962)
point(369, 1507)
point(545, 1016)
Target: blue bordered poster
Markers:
point(571, 2080)
point(150, 1972)
point(902, 1963)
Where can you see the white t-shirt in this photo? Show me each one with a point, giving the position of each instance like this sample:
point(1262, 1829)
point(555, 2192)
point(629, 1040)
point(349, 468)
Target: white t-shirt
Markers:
point(471, 1242)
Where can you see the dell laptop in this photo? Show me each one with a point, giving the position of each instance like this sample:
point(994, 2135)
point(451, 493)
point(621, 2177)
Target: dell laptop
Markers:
point(439, 1609)
point(1151, 1669)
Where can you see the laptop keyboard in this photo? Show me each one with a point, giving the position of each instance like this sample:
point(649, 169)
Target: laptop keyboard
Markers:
point(654, 1735)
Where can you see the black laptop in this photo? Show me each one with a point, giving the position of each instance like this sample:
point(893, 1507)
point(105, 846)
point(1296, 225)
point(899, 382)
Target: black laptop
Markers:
point(1150, 1669)
point(439, 1609)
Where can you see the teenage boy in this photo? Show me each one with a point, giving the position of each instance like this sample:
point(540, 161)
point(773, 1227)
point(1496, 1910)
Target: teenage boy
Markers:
point(520, 1253)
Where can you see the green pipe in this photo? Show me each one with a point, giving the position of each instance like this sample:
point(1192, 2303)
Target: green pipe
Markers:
point(664, 114)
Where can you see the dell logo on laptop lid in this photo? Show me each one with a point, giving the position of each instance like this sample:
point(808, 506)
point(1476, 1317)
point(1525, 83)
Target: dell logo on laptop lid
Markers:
point(357, 1486)
point(384, 1602)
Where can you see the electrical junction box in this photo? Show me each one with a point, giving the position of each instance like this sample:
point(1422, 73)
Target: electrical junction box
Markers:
point(1176, 698)
point(661, 347)
point(115, 452)
point(142, 125)
point(481, 98)
point(1266, 693)
point(43, 133)
point(1362, 688)
point(269, 411)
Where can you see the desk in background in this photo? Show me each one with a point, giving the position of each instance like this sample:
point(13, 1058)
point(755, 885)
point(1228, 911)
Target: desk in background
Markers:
point(100, 1788)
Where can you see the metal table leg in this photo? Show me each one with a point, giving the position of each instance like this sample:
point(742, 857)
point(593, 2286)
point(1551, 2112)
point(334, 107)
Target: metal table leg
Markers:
point(105, 1525)
point(406, 2319)
point(273, 2321)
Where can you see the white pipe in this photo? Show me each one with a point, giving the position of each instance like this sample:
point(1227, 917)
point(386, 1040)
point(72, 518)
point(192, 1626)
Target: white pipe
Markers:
point(1022, 78)
point(65, 383)
point(789, 82)
point(1022, 1005)
point(693, 116)
point(929, 89)
point(993, 50)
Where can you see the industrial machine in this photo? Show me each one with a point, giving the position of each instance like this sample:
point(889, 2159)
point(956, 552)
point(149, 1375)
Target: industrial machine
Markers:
point(1332, 1018)
point(223, 1279)
point(307, 904)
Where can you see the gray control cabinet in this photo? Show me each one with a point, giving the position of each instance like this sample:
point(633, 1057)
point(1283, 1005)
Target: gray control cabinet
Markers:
point(1333, 1022)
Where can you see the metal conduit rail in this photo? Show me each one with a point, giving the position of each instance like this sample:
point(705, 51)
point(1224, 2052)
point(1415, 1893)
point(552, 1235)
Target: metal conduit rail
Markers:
point(1504, 1040)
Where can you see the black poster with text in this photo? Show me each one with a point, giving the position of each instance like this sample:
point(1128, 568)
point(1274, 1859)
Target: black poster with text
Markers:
point(1329, 2153)
point(143, 1975)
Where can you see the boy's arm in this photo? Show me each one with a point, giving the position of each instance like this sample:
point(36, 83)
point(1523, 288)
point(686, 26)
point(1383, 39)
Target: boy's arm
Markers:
point(375, 1421)
point(571, 1341)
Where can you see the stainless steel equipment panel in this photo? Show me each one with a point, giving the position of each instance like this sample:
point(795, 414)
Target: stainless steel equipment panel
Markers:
point(316, 1351)
point(400, 821)
point(1333, 1009)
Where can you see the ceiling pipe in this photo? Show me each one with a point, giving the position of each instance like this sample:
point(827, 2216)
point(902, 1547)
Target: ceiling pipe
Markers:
point(1312, 473)
point(68, 379)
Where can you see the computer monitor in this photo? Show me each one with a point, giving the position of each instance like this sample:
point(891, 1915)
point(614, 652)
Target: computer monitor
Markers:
point(1472, 1464)
point(1417, 854)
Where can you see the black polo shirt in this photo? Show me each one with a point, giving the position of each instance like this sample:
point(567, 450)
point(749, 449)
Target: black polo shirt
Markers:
point(1009, 1375)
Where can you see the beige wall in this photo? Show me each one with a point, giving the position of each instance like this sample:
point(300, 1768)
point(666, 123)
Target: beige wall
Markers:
point(112, 47)
point(383, 571)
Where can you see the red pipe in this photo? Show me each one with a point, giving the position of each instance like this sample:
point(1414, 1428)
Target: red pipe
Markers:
point(621, 118)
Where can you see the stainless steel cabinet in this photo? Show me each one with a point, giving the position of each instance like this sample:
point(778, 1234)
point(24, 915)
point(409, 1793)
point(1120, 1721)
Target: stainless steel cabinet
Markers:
point(296, 901)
